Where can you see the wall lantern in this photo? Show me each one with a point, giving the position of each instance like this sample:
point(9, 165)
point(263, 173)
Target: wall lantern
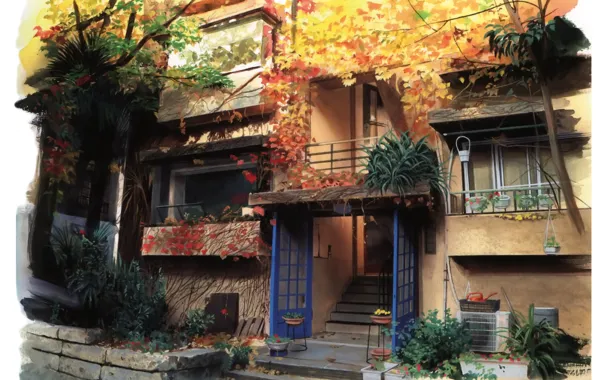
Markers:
point(464, 152)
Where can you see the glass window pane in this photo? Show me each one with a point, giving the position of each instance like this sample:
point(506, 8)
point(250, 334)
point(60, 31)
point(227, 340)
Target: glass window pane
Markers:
point(302, 287)
point(400, 278)
point(283, 272)
point(281, 302)
point(515, 167)
point(480, 170)
point(407, 264)
point(400, 310)
point(293, 272)
point(400, 264)
point(293, 304)
point(283, 288)
point(293, 287)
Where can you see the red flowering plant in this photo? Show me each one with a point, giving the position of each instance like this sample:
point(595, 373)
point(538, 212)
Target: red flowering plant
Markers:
point(59, 160)
point(275, 339)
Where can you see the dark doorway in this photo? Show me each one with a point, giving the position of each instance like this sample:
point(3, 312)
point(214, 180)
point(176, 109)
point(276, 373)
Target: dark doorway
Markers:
point(378, 242)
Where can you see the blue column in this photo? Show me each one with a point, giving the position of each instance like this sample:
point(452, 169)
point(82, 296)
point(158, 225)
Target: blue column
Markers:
point(309, 276)
point(395, 273)
point(273, 287)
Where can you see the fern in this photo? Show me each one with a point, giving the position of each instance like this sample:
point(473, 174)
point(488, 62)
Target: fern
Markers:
point(399, 164)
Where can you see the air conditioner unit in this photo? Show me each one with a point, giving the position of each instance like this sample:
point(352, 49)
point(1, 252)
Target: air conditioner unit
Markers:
point(489, 331)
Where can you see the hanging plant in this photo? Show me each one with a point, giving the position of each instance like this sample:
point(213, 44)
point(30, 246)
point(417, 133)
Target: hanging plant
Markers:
point(551, 245)
point(477, 204)
point(526, 201)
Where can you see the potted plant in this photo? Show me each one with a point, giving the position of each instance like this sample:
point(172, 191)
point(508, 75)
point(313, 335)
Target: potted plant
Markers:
point(381, 353)
point(538, 341)
point(526, 201)
point(376, 370)
point(507, 366)
point(397, 373)
point(277, 343)
point(381, 317)
point(477, 204)
point(546, 200)
point(551, 246)
point(500, 201)
point(293, 319)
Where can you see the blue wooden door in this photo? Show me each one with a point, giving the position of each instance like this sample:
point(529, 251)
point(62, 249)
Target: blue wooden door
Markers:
point(404, 277)
point(291, 276)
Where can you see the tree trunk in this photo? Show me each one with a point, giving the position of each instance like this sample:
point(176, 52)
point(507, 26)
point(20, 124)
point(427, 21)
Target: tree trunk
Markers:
point(393, 104)
point(558, 159)
point(96, 197)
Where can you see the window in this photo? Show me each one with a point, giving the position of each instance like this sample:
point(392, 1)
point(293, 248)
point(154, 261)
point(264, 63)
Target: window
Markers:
point(201, 191)
point(218, 190)
point(502, 168)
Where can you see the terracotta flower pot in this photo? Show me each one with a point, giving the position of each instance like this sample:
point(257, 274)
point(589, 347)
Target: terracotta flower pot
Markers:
point(381, 353)
point(293, 321)
point(381, 319)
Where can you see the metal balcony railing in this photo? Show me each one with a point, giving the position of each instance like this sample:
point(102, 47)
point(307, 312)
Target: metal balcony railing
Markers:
point(178, 211)
point(340, 155)
point(536, 197)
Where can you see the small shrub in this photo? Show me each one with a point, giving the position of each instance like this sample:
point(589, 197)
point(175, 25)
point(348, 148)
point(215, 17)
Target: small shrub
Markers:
point(238, 356)
point(197, 322)
point(431, 343)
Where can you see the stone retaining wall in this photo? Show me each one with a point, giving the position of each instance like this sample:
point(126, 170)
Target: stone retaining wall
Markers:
point(68, 353)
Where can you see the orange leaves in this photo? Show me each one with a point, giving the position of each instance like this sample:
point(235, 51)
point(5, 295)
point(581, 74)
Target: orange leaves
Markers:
point(249, 176)
point(259, 210)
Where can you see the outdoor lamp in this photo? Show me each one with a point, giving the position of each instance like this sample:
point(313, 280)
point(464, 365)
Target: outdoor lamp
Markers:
point(464, 152)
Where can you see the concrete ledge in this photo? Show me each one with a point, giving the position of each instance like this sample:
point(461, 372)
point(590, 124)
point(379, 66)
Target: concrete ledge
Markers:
point(80, 335)
point(43, 329)
point(43, 344)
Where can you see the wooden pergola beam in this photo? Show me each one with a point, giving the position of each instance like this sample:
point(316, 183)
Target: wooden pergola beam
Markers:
point(336, 193)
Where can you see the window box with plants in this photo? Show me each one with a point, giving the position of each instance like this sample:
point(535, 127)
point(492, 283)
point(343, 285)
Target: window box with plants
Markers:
point(293, 319)
point(477, 203)
point(552, 246)
point(500, 201)
point(376, 370)
point(507, 366)
point(277, 343)
point(381, 317)
point(546, 200)
point(525, 201)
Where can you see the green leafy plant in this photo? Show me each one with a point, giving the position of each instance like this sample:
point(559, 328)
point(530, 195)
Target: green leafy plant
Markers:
point(537, 340)
point(444, 370)
point(378, 364)
point(546, 199)
point(431, 343)
point(398, 164)
point(552, 242)
point(293, 315)
point(525, 202)
point(197, 322)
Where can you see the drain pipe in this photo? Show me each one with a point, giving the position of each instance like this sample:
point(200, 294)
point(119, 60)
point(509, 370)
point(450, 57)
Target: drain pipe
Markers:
point(446, 271)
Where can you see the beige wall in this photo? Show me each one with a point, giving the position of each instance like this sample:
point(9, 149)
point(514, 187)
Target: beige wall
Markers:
point(490, 235)
point(331, 276)
point(569, 292)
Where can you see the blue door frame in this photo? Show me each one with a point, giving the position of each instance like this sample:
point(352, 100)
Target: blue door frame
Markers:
point(405, 275)
point(291, 274)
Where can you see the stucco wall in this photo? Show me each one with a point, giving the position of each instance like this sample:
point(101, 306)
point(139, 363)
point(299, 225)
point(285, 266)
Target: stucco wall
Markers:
point(190, 281)
point(569, 292)
point(490, 235)
point(330, 276)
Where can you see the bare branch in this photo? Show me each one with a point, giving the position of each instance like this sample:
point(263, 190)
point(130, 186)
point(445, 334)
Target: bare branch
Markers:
point(236, 91)
point(126, 58)
point(80, 30)
point(130, 26)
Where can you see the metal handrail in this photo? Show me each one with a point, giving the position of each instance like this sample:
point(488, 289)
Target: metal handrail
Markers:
point(356, 160)
point(178, 208)
point(384, 284)
point(343, 141)
point(533, 189)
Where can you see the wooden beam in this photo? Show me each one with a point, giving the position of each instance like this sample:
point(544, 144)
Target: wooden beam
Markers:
point(336, 193)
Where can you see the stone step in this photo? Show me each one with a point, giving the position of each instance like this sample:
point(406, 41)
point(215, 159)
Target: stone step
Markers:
point(360, 298)
point(348, 307)
point(350, 317)
point(254, 375)
point(308, 369)
point(349, 327)
point(365, 280)
point(370, 289)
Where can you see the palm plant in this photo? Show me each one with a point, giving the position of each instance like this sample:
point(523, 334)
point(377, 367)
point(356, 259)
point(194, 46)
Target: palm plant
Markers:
point(537, 340)
point(398, 164)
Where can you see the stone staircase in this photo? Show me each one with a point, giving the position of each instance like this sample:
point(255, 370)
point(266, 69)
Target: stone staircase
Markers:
point(352, 312)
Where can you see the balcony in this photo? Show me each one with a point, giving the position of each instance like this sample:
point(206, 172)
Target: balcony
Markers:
point(342, 155)
point(536, 197)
